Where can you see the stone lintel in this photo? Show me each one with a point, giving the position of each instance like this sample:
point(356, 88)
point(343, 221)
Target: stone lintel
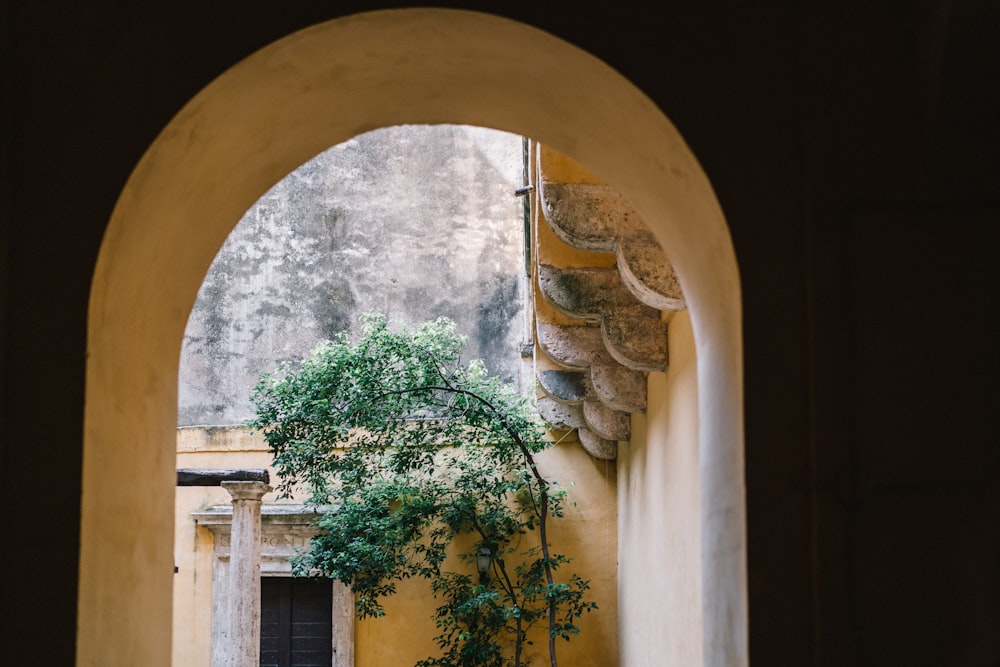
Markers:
point(285, 529)
point(270, 514)
point(216, 476)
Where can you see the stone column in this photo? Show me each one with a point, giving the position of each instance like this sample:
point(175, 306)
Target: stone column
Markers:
point(243, 636)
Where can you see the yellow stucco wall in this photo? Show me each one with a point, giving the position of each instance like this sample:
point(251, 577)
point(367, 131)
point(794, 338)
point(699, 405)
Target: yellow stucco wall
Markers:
point(219, 154)
point(588, 533)
point(659, 538)
point(660, 572)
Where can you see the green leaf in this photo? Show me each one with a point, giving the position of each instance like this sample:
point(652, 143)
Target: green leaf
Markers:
point(420, 453)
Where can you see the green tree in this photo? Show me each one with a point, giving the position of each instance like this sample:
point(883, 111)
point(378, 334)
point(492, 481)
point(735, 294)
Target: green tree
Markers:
point(421, 456)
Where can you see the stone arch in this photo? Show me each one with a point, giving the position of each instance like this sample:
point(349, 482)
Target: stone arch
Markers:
point(260, 120)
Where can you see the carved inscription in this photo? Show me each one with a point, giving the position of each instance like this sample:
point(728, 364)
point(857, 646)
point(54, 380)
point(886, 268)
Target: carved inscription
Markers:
point(283, 540)
point(270, 540)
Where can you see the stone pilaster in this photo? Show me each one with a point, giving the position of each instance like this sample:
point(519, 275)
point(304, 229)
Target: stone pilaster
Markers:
point(242, 638)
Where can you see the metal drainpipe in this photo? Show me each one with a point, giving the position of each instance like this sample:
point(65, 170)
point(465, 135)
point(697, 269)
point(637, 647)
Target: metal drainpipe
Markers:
point(524, 192)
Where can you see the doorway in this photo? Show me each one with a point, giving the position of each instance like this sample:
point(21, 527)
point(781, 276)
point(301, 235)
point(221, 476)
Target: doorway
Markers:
point(296, 621)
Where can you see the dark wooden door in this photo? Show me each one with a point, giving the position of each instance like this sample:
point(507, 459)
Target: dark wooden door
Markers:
point(296, 622)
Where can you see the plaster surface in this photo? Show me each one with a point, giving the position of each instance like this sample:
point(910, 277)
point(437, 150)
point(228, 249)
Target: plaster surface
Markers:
point(415, 221)
point(660, 535)
point(404, 635)
point(322, 86)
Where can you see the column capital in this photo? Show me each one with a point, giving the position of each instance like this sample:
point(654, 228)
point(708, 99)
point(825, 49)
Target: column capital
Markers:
point(246, 490)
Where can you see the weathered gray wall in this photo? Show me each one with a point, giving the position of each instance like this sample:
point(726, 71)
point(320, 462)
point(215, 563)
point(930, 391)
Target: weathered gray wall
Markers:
point(415, 221)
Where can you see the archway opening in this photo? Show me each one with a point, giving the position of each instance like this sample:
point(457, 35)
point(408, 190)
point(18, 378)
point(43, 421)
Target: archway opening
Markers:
point(273, 111)
point(415, 222)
